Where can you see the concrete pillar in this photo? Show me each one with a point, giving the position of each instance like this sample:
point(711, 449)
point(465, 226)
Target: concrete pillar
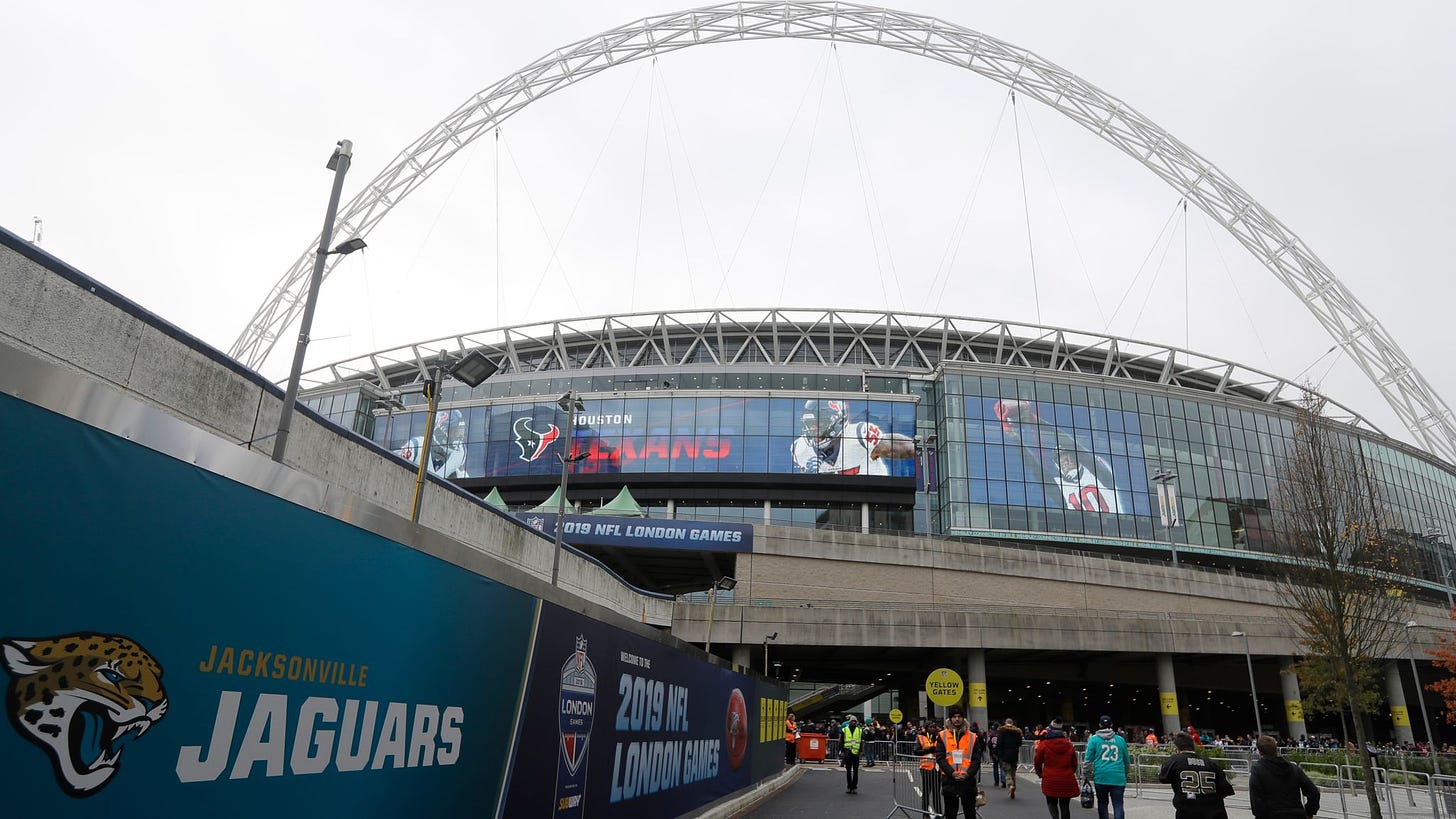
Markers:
point(864, 518)
point(767, 512)
point(1168, 695)
point(913, 706)
point(1293, 706)
point(1399, 714)
point(743, 656)
point(976, 710)
point(671, 508)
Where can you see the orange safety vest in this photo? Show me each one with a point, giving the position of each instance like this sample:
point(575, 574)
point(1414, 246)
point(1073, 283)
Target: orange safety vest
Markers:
point(965, 745)
point(927, 761)
point(791, 730)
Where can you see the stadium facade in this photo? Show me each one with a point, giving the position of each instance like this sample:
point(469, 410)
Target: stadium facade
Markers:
point(877, 421)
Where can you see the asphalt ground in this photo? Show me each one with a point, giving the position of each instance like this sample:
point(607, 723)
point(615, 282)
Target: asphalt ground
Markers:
point(818, 789)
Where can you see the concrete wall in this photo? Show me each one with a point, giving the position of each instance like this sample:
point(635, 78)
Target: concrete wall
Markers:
point(839, 588)
point(54, 313)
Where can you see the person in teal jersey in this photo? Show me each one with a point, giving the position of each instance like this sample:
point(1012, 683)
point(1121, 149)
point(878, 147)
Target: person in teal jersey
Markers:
point(1107, 766)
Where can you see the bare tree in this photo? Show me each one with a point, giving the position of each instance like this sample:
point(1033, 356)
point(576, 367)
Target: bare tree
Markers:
point(1342, 566)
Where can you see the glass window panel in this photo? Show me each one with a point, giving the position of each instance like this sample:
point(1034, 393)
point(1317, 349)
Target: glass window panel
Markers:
point(1016, 494)
point(978, 489)
point(976, 461)
point(722, 453)
point(754, 453)
point(1081, 417)
point(997, 491)
point(731, 415)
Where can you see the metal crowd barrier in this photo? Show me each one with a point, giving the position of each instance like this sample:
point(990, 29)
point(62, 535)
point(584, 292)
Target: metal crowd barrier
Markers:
point(919, 795)
point(1400, 791)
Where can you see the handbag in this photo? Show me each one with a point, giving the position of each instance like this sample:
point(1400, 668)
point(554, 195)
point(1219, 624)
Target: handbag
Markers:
point(1087, 795)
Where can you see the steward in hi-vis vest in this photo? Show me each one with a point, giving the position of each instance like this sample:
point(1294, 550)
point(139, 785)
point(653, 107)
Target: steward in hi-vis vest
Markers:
point(791, 740)
point(851, 739)
point(954, 749)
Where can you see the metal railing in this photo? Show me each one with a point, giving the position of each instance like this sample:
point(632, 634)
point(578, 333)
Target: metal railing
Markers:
point(1400, 790)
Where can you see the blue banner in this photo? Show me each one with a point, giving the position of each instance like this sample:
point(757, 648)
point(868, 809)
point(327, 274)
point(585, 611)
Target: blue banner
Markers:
point(645, 533)
point(632, 727)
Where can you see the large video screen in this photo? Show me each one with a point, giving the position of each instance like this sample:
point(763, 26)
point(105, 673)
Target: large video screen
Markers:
point(1053, 455)
point(840, 436)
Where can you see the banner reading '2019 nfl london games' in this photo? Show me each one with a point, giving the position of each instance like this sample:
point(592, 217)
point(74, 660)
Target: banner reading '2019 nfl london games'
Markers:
point(631, 727)
point(177, 644)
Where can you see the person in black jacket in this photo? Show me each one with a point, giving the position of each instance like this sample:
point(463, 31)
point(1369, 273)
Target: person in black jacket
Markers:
point(1199, 785)
point(1008, 753)
point(1275, 786)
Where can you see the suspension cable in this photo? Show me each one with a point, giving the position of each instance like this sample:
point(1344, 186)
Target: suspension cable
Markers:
point(1026, 210)
point(1151, 249)
point(959, 228)
point(682, 231)
point(723, 282)
point(1243, 303)
point(1157, 274)
point(803, 184)
point(642, 185)
point(556, 245)
point(1187, 315)
point(867, 191)
point(1066, 220)
point(499, 288)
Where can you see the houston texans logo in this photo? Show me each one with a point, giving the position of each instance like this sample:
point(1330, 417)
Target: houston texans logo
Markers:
point(533, 444)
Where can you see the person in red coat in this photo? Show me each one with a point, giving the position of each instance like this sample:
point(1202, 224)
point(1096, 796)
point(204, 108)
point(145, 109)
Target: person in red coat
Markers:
point(1056, 763)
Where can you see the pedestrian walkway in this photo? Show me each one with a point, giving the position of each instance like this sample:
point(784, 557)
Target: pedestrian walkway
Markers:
point(819, 792)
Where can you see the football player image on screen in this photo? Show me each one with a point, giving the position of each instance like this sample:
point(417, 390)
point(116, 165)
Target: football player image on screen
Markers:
point(1079, 479)
point(447, 448)
point(830, 443)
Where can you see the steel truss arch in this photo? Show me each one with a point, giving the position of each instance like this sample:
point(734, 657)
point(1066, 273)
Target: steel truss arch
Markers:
point(1353, 327)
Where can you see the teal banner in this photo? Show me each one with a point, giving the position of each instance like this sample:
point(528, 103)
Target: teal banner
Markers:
point(178, 644)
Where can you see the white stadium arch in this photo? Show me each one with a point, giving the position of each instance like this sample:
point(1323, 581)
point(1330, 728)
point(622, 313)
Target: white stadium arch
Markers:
point(1352, 326)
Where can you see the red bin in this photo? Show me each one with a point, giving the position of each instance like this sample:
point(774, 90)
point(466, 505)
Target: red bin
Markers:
point(811, 747)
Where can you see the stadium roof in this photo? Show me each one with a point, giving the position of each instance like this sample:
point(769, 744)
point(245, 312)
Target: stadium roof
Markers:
point(898, 343)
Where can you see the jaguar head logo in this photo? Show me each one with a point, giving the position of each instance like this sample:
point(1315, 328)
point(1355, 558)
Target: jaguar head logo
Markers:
point(533, 444)
point(82, 698)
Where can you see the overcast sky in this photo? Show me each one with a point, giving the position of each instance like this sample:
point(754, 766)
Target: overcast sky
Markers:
point(176, 153)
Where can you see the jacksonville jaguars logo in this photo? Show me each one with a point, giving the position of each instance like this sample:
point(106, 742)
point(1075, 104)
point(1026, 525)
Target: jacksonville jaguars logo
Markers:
point(533, 444)
point(82, 698)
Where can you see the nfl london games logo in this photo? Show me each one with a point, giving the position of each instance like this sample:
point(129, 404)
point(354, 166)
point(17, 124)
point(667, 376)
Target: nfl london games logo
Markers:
point(577, 703)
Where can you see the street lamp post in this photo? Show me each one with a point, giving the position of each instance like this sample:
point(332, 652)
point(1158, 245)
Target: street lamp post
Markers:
point(1254, 692)
point(766, 640)
point(1425, 717)
point(339, 164)
point(1165, 477)
point(471, 371)
point(726, 584)
point(571, 404)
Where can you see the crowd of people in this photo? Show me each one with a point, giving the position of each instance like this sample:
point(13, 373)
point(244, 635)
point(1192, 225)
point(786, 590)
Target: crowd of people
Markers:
point(952, 756)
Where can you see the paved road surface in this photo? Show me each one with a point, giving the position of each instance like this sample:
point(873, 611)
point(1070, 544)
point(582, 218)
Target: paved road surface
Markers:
point(819, 791)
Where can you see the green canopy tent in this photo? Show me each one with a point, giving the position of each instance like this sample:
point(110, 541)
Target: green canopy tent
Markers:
point(622, 506)
point(552, 504)
point(494, 499)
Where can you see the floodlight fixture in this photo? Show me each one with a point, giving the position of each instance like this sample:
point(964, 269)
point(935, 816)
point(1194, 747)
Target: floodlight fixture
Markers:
point(473, 369)
point(348, 246)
